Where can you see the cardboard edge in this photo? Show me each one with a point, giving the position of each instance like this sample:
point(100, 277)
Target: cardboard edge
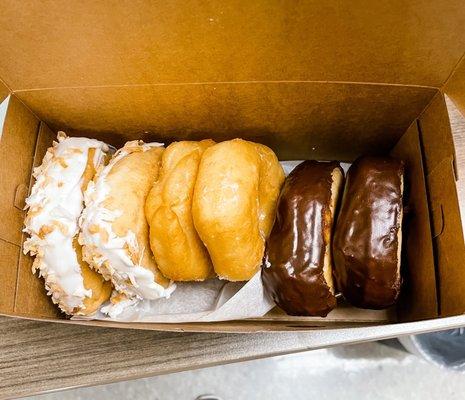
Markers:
point(250, 326)
point(5, 91)
point(454, 86)
point(417, 230)
point(234, 326)
point(4, 105)
point(437, 146)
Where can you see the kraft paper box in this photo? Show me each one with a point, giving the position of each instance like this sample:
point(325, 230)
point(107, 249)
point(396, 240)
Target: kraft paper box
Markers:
point(318, 80)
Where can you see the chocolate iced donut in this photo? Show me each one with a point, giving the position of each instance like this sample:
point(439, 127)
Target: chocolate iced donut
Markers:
point(297, 269)
point(368, 238)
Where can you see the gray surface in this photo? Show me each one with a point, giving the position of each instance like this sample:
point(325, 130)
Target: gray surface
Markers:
point(446, 349)
point(363, 371)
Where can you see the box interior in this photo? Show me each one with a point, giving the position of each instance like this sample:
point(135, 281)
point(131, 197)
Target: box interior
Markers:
point(322, 121)
point(309, 80)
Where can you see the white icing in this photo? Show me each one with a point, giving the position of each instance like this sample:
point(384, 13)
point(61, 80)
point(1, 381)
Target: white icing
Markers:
point(115, 309)
point(108, 253)
point(56, 201)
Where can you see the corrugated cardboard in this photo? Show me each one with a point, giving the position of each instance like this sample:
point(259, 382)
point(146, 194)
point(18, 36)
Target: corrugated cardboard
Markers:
point(325, 80)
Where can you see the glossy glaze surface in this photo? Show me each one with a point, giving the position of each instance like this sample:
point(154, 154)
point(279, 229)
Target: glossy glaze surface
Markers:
point(367, 239)
point(295, 253)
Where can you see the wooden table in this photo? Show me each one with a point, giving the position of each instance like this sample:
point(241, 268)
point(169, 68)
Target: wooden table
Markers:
point(37, 357)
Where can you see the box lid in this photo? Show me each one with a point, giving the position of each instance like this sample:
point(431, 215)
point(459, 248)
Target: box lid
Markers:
point(61, 44)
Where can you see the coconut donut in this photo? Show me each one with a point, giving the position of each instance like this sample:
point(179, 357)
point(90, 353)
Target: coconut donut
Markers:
point(114, 230)
point(54, 207)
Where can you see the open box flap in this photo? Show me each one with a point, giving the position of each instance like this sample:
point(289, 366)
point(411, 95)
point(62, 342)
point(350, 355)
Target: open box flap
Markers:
point(49, 44)
point(455, 86)
point(17, 147)
point(447, 232)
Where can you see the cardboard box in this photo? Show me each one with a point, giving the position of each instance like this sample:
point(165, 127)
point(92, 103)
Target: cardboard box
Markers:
point(319, 81)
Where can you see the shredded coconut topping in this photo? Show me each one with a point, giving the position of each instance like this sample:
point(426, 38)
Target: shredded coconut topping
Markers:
point(112, 255)
point(54, 207)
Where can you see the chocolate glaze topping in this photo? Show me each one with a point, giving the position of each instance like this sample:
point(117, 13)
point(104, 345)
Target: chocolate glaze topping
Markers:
point(366, 241)
point(295, 251)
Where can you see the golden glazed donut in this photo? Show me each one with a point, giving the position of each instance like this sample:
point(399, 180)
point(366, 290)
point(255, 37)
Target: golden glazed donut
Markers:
point(234, 205)
point(115, 233)
point(176, 246)
point(55, 204)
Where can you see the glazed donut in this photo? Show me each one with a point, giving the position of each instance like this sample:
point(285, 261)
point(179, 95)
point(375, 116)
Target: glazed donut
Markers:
point(234, 205)
point(176, 246)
